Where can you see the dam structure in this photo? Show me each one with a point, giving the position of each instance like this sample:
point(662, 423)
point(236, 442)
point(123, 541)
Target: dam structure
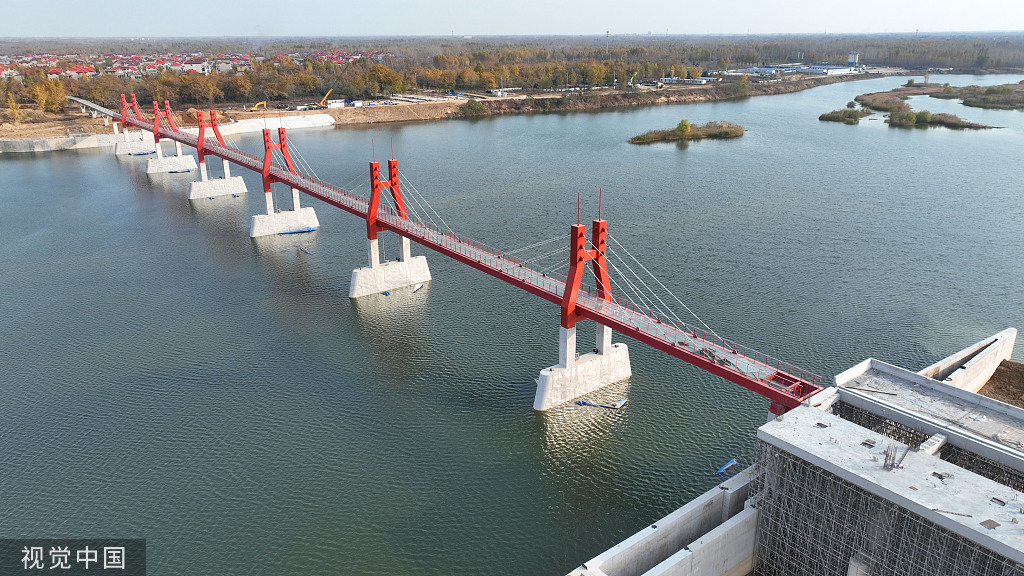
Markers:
point(889, 472)
point(785, 385)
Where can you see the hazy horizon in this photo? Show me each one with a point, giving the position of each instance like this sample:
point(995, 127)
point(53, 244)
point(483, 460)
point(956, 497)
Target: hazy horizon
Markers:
point(446, 18)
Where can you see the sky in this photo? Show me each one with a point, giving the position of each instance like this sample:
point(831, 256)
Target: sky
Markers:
point(225, 18)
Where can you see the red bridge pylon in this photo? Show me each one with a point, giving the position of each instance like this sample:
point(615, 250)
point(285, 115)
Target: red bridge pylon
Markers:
point(372, 228)
point(575, 376)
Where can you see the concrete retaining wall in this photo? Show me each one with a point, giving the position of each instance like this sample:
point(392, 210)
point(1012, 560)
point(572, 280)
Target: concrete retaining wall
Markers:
point(727, 550)
point(80, 141)
point(970, 368)
point(710, 535)
point(72, 142)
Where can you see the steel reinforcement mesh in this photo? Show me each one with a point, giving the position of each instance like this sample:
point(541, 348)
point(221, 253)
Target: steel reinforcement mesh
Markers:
point(813, 523)
point(955, 455)
point(879, 424)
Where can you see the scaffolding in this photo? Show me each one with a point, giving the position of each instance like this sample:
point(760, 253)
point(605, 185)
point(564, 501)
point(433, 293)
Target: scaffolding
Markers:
point(956, 455)
point(814, 523)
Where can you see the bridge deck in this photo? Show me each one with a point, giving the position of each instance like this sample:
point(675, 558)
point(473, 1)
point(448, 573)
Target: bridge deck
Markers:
point(769, 377)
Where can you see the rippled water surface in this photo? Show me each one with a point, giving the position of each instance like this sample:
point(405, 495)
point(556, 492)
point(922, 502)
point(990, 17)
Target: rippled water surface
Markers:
point(165, 377)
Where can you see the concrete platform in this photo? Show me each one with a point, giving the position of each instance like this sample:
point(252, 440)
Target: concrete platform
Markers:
point(589, 372)
point(185, 163)
point(138, 144)
point(210, 189)
point(389, 276)
point(284, 222)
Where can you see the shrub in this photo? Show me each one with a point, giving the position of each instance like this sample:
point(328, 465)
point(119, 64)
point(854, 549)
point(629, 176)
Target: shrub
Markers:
point(472, 108)
point(902, 119)
point(999, 90)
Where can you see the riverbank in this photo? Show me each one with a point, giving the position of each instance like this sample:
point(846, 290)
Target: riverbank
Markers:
point(678, 94)
point(43, 132)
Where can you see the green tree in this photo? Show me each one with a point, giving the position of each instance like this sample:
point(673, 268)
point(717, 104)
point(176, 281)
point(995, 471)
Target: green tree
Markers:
point(683, 127)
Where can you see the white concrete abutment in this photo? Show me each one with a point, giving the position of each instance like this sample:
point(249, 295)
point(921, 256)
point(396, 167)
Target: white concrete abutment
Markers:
point(380, 277)
point(180, 162)
point(576, 375)
point(293, 221)
point(206, 188)
point(137, 143)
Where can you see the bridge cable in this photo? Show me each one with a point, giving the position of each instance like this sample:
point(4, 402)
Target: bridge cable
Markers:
point(538, 244)
point(610, 237)
point(642, 298)
point(425, 211)
point(425, 201)
point(635, 293)
point(425, 206)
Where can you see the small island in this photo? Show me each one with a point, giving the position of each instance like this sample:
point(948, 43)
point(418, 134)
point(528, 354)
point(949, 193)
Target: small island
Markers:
point(848, 116)
point(901, 116)
point(686, 131)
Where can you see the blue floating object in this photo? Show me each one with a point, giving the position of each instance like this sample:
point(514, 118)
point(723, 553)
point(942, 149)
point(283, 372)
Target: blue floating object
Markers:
point(387, 293)
point(613, 406)
point(728, 465)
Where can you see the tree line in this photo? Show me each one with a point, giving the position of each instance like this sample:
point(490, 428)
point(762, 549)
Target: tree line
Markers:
point(487, 64)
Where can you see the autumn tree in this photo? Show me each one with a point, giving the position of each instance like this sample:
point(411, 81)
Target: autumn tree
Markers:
point(14, 107)
point(387, 80)
point(50, 95)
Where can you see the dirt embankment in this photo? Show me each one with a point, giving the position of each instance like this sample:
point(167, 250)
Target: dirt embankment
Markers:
point(1006, 384)
point(669, 95)
point(34, 124)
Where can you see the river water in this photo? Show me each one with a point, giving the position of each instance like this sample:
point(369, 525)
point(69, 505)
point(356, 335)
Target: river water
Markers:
point(165, 377)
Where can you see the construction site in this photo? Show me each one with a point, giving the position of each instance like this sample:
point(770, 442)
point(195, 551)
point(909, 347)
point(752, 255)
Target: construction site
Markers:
point(889, 472)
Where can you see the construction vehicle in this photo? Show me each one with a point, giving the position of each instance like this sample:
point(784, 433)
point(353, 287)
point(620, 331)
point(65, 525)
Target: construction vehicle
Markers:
point(630, 83)
point(258, 104)
point(323, 102)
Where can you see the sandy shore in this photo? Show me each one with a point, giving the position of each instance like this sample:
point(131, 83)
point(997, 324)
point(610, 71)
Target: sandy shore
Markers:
point(39, 128)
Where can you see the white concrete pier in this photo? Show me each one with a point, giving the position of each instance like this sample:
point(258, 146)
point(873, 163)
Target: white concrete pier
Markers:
point(292, 221)
point(575, 376)
point(178, 163)
point(206, 188)
point(380, 277)
point(131, 143)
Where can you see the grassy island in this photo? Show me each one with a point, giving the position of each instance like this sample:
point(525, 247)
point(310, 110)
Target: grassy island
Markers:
point(901, 116)
point(850, 115)
point(686, 131)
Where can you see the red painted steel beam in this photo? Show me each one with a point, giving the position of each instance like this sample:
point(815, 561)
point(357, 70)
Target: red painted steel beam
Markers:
point(781, 400)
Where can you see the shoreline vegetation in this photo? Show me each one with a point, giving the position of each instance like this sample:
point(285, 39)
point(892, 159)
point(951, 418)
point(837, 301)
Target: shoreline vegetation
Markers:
point(851, 115)
point(686, 131)
point(1000, 97)
point(34, 124)
point(431, 78)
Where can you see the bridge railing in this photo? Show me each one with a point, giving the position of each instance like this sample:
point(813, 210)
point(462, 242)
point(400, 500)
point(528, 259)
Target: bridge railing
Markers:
point(741, 359)
point(726, 352)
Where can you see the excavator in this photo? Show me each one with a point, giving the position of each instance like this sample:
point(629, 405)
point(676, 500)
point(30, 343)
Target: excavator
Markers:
point(257, 106)
point(323, 102)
